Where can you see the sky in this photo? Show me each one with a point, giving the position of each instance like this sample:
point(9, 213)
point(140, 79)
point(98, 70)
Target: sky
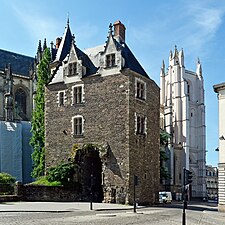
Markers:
point(153, 28)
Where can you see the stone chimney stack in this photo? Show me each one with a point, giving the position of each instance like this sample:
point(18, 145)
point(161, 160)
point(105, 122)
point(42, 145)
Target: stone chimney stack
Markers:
point(119, 31)
point(57, 42)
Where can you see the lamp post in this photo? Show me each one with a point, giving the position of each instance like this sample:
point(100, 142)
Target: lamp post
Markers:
point(135, 183)
point(91, 193)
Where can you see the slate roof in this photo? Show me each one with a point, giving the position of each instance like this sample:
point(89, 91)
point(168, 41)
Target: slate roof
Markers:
point(20, 64)
point(90, 57)
point(64, 47)
point(131, 62)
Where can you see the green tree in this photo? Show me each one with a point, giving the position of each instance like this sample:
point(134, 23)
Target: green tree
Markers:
point(38, 117)
point(164, 174)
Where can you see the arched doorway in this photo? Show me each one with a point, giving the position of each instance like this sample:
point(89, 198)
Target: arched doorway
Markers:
point(90, 173)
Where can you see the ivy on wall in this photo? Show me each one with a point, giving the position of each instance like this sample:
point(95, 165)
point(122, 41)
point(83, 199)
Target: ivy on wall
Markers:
point(38, 117)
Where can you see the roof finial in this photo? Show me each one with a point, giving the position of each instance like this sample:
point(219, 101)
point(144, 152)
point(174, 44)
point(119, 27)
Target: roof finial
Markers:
point(73, 39)
point(110, 28)
point(68, 20)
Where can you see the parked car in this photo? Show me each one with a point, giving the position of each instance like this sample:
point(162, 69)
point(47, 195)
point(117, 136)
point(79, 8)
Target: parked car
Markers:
point(165, 197)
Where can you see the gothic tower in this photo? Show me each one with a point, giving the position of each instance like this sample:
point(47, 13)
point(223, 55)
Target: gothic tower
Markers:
point(182, 96)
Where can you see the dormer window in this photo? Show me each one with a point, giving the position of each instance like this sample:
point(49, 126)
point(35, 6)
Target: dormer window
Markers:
point(110, 60)
point(72, 69)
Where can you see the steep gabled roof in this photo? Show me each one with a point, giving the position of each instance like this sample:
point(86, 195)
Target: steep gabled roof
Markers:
point(90, 67)
point(64, 47)
point(131, 62)
point(20, 64)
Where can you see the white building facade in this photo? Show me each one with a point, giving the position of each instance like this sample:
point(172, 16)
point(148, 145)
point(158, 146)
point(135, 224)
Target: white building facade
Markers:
point(220, 89)
point(182, 95)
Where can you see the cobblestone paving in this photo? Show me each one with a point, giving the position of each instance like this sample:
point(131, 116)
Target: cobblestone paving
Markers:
point(156, 216)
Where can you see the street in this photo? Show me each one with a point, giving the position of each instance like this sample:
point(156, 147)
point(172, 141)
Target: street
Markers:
point(197, 214)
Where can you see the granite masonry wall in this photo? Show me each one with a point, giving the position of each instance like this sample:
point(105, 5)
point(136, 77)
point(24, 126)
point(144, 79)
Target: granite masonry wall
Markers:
point(109, 120)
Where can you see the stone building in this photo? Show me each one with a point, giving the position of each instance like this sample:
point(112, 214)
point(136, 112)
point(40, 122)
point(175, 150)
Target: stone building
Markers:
point(182, 96)
point(220, 90)
point(15, 113)
point(212, 182)
point(102, 96)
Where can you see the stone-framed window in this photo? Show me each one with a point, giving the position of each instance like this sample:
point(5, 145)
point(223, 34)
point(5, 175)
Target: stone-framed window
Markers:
point(78, 94)
point(77, 125)
point(110, 60)
point(140, 124)
point(140, 89)
point(72, 69)
point(61, 98)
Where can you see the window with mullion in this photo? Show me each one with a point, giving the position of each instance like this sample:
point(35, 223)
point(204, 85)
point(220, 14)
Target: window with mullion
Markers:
point(72, 69)
point(78, 126)
point(140, 90)
point(77, 95)
point(140, 124)
point(110, 60)
point(61, 98)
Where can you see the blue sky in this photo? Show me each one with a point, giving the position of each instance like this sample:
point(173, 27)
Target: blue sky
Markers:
point(153, 28)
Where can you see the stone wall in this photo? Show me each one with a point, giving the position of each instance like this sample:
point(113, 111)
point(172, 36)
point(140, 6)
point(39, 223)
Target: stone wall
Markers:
point(47, 193)
point(108, 113)
point(144, 149)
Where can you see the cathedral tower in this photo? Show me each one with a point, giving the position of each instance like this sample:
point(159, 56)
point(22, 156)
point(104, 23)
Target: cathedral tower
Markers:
point(182, 96)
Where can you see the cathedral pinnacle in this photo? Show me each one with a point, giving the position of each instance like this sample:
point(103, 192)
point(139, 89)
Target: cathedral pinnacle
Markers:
point(199, 68)
point(44, 45)
point(163, 65)
point(162, 69)
point(175, 52)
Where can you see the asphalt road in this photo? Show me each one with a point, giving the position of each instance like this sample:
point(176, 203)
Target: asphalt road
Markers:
point(197, 214)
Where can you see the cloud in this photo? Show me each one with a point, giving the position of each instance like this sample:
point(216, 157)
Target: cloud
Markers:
point(193, 26)
point(204, 22)
point(37, 24)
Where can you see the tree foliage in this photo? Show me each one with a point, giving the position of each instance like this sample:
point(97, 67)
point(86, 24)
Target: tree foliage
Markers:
point(63, 173)
point(6, 178)
point(37, 122)
point(164, 136)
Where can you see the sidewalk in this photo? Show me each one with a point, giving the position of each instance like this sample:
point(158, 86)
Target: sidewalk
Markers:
point(58, 206)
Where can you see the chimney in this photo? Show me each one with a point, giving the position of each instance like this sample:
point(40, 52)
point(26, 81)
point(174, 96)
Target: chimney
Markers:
point(57, 42)
point(119, 31)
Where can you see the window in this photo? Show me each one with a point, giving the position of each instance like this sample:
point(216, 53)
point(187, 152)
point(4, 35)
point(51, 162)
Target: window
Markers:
point(140, 89)
point(77, 123)
point(110, 60)
point(72, 69)
point(61, 98)
point(21, 99)
point(140, 124)
point(78, 94)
